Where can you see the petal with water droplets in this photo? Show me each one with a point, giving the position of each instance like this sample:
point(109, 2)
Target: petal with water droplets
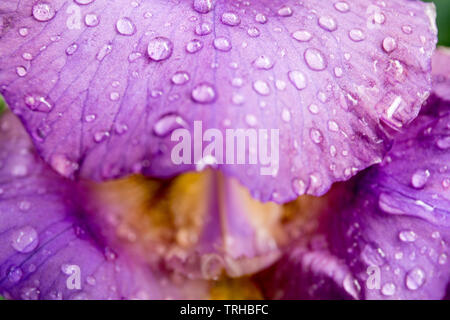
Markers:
point(92, 81)
point(388, 231)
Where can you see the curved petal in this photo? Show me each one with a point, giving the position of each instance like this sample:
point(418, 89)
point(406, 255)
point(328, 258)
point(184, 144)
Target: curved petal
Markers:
point(47, 249)
point(388, 235)
point(200, 225)
point(101, 86)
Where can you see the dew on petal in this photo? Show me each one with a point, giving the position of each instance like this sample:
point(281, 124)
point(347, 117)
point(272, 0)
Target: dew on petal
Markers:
point(25, 239)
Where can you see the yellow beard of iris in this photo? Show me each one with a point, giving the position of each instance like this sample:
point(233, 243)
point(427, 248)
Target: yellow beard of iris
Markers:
point(157, 218)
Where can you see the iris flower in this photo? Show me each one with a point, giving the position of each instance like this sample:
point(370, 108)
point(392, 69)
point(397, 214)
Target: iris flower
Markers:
point(357, 205)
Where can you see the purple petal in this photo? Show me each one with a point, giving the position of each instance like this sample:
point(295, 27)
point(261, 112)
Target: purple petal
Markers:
point(100, 87)
point(47, 241)
point(389, 239)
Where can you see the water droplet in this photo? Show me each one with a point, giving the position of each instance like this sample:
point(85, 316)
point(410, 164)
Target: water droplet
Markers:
point(327, 23)
point(285, 11)
point(204, 93)
point(70, 50)
point(302, 35)
point(194, 46)
point(43, 11)
point(160, 48)
point(443, 143)
point(261, 18)
point(15, 274)
point(261, 87)
point(316, 136)
point(203, 6)
point(263, 62)
point(342, 6)
point(356, 35)
point(91, 20)
point(180, 78)
point(253, 32)
point(167, 124)
point(222, 44)
point(203, 29)
point(407, 236)
point(298, 79)
point(415, 278)
point(25, 239)
point(389, 44)
point(388, 289)
point(420, 178)
point(21, 71)
point(286, 115)
point(315, 59)
point(230, 19)
point(125, 26)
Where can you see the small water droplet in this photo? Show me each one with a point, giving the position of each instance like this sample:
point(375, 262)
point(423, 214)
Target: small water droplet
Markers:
point(203, 6)
point(194, 46)
point(327, 23)
point(230, 19)
point(204, 93)
point(389, 44)
point(388, 289)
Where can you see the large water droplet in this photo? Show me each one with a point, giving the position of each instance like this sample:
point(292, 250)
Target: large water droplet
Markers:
point(298, 79)
point(230, 19)
point(222, 44)
point(415, 278)
point(315, 59)
point(125, 26)
point(204, 93)
point(263, 62)
point(203, 6)
point(25, 239)
point(420, 178)
point(43, 11)
point(168, 123)
point(160, 48)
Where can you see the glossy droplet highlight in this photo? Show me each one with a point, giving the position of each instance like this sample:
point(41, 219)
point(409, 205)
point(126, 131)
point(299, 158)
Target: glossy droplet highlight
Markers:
point(43, 11)
point(415, 278)
point(25, 239)
point(315, 59)
point(160, 48)
point(204, 93)
point(125, 26)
